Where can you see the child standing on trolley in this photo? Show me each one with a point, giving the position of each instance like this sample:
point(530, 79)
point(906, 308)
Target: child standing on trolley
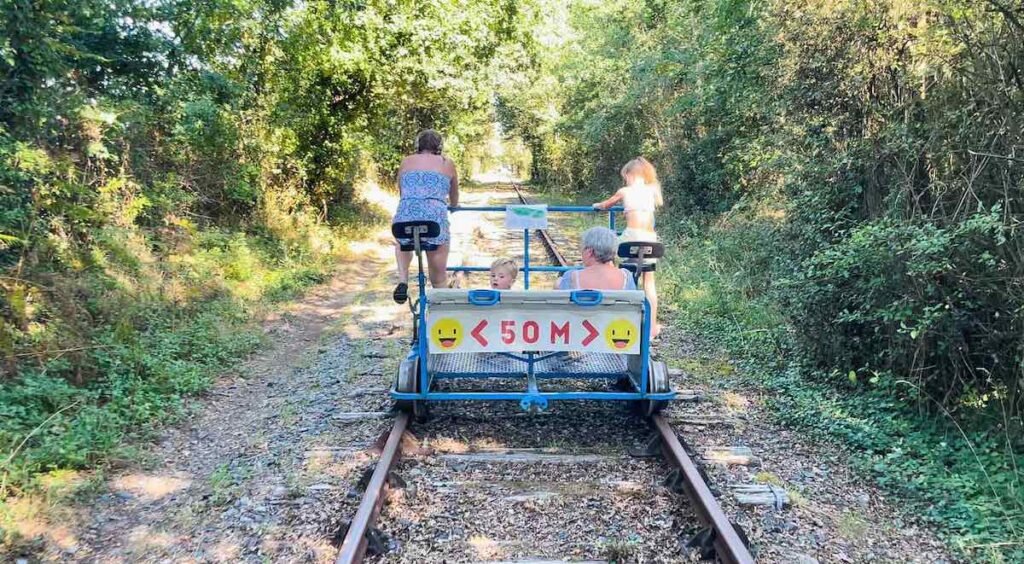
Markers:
point(640, 197)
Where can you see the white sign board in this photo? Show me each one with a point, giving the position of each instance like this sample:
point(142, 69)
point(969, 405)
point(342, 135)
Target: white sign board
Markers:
point(526, 216)
point(475, 330)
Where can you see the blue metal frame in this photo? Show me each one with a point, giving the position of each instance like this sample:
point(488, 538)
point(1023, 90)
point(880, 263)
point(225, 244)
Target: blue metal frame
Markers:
point(532, 396)
point(526, 269)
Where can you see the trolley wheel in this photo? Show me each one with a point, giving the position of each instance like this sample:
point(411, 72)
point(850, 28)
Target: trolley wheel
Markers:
point(407, 381)
point(657, 383)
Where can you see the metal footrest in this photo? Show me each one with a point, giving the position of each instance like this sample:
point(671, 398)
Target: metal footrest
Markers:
point(482, 365)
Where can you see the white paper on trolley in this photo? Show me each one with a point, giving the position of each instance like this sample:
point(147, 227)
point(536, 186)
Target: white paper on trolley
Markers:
point(526, 216)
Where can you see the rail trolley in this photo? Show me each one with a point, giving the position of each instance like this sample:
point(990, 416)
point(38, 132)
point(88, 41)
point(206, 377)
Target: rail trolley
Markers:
point(538, 337)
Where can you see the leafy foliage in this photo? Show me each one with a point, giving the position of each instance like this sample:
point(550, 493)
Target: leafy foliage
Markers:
point(165, 165)
point(854, 137)
point(964, 472)
point(850, 172)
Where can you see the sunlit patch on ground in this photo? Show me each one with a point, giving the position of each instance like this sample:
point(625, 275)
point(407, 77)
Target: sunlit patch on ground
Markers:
point(372, 313)
point(142, 537)
point(59, 483)
point(318, 459)
point(488, 443)
point(321, 462)
point(151, 488)
point(735, 402)
point(706, 369)
point(446, 444)
point(354, 331)
point(226, 550)
point(376, 197)
point(380, 247)
point(400, 505)
point(494, 177)
point(312, 550)
point(694, 294)
point(24, 517)
point(629, 489)
point(396, 497)
point(348, 466)
point(485, 547)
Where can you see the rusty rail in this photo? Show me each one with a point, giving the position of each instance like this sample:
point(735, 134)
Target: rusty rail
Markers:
point(729, 547)
point(545, 238)
point(353, 548)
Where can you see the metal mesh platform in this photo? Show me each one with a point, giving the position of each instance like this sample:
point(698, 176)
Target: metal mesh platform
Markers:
point(468, 365)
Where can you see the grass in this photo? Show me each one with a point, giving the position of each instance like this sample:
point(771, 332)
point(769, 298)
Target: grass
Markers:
point(620, 550)
point(225, 483)
point(768, 478)
point(852, 526)
point(289, 415)
point(158, 330)
point(959, 475)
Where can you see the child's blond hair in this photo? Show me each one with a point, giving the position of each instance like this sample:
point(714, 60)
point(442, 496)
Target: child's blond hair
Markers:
point(508, 265)
point(642, 168)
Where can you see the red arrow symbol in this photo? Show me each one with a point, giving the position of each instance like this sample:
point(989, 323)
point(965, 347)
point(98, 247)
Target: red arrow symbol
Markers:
point(476, 333)
point(592, 332)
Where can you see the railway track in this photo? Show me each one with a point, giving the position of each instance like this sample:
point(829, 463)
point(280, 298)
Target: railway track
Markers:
point(719, 538)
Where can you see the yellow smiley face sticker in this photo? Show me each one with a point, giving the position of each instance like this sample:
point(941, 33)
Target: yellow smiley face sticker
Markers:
point(447, 333)
point(621, 334)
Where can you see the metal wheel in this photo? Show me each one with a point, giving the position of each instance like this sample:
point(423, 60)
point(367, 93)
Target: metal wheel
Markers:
point(407, 381)
point(657, 383)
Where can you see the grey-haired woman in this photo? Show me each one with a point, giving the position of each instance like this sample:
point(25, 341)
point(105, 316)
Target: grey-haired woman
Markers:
point(599, 272)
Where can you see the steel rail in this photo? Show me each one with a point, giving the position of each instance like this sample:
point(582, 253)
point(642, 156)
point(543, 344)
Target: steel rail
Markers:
point(549, 243)
point(729, 547)
point(353, 548)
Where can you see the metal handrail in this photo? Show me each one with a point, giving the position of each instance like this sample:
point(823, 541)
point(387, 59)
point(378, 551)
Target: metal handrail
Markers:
point(527, 268)
point(583, 209)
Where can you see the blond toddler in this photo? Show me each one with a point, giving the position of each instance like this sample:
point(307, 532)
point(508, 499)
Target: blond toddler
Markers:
point(503, 273)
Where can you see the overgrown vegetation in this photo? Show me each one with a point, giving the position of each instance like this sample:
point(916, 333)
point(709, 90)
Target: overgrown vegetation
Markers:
point(959, 468)
point(845, 187)
point(844, 181)
point(167, 165)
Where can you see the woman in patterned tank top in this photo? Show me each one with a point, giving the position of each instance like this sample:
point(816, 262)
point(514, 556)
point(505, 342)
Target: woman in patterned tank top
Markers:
point(428, 183)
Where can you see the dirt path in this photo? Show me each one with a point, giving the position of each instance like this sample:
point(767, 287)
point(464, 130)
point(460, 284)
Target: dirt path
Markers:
point(268, 468)
point(264, 470)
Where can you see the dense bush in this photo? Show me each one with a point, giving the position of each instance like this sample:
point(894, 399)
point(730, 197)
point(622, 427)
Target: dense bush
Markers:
point(849, 175)
point(963, 475)
point(902, 298)
point(166, 164)
point(878, 140)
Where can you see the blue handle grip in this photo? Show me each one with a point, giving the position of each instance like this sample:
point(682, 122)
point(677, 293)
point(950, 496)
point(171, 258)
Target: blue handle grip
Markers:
point(484, 297)
point(586, 297)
